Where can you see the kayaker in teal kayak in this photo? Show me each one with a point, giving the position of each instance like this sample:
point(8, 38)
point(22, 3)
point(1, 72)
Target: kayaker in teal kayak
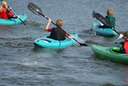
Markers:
point(5, 11)
point(110, 19)
point(56, 32)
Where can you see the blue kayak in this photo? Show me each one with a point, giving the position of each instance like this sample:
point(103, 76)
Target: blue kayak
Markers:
point(46, 42)
point(106, 32)
point(13, 21)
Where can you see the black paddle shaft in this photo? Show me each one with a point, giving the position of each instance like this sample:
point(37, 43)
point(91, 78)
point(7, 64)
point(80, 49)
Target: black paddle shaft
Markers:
point(16, 15)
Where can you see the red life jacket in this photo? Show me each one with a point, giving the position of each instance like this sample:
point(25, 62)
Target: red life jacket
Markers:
point(126, 46)
point(5, 14)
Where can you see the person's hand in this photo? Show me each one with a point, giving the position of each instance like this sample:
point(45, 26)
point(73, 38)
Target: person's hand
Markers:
point(101, 24)
point(70, 36)
point(0, 9)
point(49, 19)
point(120, 36)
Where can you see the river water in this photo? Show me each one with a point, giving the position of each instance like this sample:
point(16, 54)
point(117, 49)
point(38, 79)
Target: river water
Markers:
point(23, 65)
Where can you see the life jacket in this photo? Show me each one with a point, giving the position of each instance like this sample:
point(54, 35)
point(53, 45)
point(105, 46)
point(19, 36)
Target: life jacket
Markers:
point(57, 34)
point(126, 46)
point(111, 20)
point(3, 14)
point(6, 14)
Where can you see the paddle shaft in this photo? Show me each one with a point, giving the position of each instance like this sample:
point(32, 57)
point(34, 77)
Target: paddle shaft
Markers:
point(22, 21)
point(17, 16)
point(116, 31)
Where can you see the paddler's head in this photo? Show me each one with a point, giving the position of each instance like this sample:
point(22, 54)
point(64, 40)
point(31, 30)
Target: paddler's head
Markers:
point(4, 4)
point(110, 12)
point(60, 22)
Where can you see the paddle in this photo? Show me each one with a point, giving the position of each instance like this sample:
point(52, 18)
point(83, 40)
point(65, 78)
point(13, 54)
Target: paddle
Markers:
point(16, 16)
point(101, 18)
point(37, 11)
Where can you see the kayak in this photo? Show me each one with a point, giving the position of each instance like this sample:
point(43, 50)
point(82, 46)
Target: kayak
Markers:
point(46, 42)
point(110, 53)
point(105, 32)
point(13, 21)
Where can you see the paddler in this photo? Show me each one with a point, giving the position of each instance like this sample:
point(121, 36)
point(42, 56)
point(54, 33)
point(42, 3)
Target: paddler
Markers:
point(110, 19)
point(5, 11)
point(56, 32)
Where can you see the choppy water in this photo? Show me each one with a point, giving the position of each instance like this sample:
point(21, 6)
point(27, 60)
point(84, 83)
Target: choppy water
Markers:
point(22, 65)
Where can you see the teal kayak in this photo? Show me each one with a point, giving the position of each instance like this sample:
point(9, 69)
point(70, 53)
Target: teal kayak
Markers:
point(105, 32)
point(46, 42)
point(13, 21)
point(110, 53)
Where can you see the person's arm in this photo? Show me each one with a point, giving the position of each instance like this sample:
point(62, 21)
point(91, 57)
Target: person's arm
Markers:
point(0, 9)
point(11, 14)
point(48, 25)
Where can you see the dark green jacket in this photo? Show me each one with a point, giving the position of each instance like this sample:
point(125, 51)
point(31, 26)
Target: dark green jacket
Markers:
point(112, 21)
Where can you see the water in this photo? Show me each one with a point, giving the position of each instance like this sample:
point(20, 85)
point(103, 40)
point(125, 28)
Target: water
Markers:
point(22, 65)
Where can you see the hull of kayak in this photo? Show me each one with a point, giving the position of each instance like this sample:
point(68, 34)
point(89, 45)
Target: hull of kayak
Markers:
point(13, 21)
point(108, 54)
point(55, 44)
point(106, 32)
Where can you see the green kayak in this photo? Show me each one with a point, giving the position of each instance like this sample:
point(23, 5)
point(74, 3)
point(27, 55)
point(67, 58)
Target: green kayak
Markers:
point(110, 53)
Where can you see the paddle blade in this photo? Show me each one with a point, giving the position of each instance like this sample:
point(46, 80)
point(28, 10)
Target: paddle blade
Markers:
point(34, 8)
point(101, 18)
